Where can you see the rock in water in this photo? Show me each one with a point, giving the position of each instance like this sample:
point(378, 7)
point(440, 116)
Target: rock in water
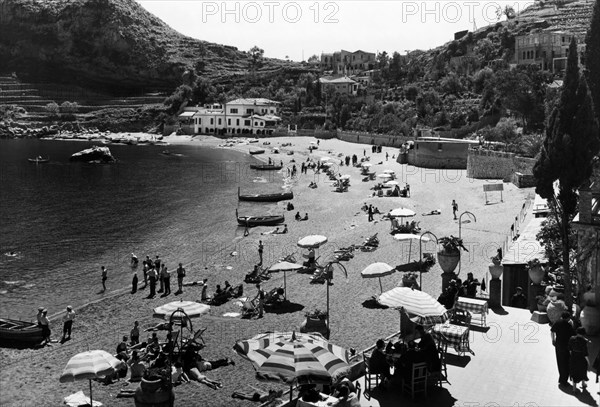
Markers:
point(94, 154)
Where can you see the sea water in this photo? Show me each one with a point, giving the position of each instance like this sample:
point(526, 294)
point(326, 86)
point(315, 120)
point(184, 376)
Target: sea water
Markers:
point(61, 221)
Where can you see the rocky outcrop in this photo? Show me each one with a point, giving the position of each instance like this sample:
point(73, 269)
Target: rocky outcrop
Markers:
point(106, 44)
point(10, 129)
point(95, 154)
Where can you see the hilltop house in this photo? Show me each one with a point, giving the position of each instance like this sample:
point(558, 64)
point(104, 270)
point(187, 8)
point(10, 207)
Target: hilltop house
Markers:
point(342, 85)
point(348, 63)
point(547, 49)
point(240, 116)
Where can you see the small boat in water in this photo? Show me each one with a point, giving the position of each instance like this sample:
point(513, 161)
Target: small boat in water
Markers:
point(12, 330)
point(39, 160)
point(279, 196)
point(254, 152)
point(251, 221)
point(265, 167)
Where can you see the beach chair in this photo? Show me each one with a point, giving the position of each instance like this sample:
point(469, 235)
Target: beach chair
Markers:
point(372, 380)
point(418, 382)
point(249, 309)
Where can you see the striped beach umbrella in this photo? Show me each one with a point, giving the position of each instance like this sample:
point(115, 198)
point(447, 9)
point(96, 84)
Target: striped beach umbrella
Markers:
point(292, 356)
point(378, 270)
point(426, 309)
point(90, 365)
point(311, 242)
point(190, 308)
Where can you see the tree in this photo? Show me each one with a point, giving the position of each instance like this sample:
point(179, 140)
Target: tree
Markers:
point(567, 155)
point(52, 108)
point(256, 58)
point(592, 58)
point(313, 59)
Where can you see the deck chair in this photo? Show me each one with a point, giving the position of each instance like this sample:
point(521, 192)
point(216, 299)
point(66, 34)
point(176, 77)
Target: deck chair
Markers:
point(418, 382)
point(372, 380)
point(197, 339)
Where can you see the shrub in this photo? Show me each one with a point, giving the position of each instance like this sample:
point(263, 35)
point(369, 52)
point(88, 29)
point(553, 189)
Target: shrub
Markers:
point(52, 108)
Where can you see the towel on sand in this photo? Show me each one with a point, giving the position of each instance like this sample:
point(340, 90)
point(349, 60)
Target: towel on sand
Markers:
point(79, 399)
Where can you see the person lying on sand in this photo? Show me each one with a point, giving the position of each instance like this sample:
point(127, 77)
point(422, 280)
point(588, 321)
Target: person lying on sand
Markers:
point(164, 326)
point(258, 395)
point(433, 212)
point(271, 232)
point(199, 282)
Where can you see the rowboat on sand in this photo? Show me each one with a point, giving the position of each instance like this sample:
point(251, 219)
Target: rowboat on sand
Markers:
point(279, 196)
point(250, 221)
point(265, 167)
point(12, 330)
point(254, 152)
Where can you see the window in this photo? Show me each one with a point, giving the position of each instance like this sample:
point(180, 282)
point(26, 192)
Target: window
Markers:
point(212, 121)
point(523, 54)
point(249, 111)
point(199, 120)
point(219, 121)
point(233, 110)
point(247, 122)
point(439, 146)
point(229, 122)
point(537, 53)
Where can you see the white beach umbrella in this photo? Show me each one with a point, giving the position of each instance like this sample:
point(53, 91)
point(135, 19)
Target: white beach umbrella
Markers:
point(416, 303)
point(378, 270)
point(402, 213)
point(284, 266)
point(324, 159)
point(391, 183)
point(90, 365)
point(366, 165)
point(346, 176)
point(403, 237)
point(190, 308)
point(312, 241)
point(389, 172)
point(326, 164)
point(384, 176)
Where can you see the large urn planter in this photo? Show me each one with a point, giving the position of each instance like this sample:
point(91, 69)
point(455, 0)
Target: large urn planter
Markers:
point(590, 320)
point(496, 270)
point(152, 393)
point(555, 310)
point(448, 261)
point(315, 324)
point(536, 274)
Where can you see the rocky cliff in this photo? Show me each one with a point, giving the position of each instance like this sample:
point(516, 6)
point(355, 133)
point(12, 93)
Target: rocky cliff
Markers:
point(113, 45)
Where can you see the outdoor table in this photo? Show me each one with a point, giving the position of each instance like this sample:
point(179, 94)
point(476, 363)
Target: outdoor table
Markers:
point(453, 335)
point(325, 403)
point(478, 307)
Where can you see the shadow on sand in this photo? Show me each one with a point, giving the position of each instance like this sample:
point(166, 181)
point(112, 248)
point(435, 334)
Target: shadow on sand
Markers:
point(287, 307)
point(371, 303)
point(436, 396)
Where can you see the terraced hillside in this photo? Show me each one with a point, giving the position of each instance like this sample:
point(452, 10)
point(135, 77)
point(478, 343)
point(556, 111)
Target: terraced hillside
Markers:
point(572, 16)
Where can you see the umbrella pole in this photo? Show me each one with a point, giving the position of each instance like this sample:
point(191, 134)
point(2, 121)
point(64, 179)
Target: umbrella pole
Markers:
point(284, 286)
point(91, 400)
point(380, 286)
point(409, 250)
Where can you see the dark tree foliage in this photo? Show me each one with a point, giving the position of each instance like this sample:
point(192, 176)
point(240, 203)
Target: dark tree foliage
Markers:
point(592, 58)
point(567, 154)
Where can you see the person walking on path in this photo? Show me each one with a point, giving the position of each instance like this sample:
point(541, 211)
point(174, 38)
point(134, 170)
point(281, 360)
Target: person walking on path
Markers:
point(45, 323)
point(104, 277)
point(454, 208)
point(68, 323)
point(134, 282)
point(166, 278)
point(152, 274)
point(260, 252)
point(260, 296)
point(370, 213)
point(180, 275)
point(578, 364)
point(561, 332)
point(157, 266)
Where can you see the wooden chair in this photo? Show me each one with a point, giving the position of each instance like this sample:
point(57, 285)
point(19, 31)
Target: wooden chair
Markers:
point(437, 378)
point(358, 390)
point(372, 380)
point(460, 317)
point(418, 382)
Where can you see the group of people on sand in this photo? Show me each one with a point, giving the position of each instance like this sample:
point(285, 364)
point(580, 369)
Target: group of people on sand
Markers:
point(221, 294)
point(44, 323)
point(153, 271)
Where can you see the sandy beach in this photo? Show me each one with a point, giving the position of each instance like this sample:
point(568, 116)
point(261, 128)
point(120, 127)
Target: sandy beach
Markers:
point(30, 376)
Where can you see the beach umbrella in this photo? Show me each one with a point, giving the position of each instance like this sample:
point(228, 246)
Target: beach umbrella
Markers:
point(378, 270)
point(345, 176)
point(284, 266)
point(384, 176)
point(326, 164)
point(313, 142)
point(427, 310)
point(402, 213)
point(391, 183)
point(292, 356)
point(402, 237)
point(191, 309)
point(312, 241)
point(366, 165)
point(324, 159)
point(90, 365)
point(391, 172)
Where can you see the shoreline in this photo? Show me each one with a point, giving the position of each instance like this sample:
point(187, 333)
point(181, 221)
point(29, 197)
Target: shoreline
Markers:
point(101, 323)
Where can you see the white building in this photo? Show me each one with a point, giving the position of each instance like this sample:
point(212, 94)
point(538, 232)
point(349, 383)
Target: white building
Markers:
point(342, 85)
point(241, 116)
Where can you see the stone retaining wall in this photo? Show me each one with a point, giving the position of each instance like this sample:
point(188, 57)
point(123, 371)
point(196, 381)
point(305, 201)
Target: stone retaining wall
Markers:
point(370, 138)
point(487, 164)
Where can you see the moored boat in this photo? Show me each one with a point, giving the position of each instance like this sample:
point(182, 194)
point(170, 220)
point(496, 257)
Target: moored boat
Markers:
point(254, 152)
point(268, 220)
point(38, 160)
point(12, 330)
point(265, 167)
point(278, 196)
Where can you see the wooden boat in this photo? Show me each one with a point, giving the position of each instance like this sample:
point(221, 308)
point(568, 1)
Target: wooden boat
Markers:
point(39, 160)
point(12, 330)
point(254, 152)
point(251, 221)
point(265, 167)
point(279, 196)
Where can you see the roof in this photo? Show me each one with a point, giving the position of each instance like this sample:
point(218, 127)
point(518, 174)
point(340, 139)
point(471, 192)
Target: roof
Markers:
point(343, 79)
point(187, 114)
point(447, 140)
point(526, 247)
point(253, 101)
point(266, 117)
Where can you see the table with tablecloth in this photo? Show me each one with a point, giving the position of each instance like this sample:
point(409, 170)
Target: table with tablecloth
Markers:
point(325, 403)
point(474, 306)
point(456, 336)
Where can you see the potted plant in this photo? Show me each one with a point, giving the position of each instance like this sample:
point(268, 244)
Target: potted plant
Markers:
point(496, 268)
point(535, 270)
point(155, 389)
point(542, 302)
point(410, 279)
point(449, 256)
point(315, 321)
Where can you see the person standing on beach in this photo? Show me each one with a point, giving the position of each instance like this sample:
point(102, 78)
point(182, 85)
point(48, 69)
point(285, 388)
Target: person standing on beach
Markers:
point(370, 213)
point(134, 282)
point(166, 278)
point(68, 323)
point(104, 277)
point(45, 327)
point(145, 271)
point(386, 156)
point(180, 275)
point(561, 332)
point(39, 315)
point(158, 270)
point(134, 261)
point(454, 208)
point(152, 277)
point(260, 296)
point(135, 333)
point(260, 252)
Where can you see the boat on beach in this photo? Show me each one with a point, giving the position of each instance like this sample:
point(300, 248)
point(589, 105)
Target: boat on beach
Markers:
point(265, 167)
point(12, 330)
point(254, 152)
point(250, 221)
point(279, 196)
point(39, 160)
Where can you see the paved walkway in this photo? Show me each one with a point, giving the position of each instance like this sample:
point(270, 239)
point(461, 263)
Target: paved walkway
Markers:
point(513, 365)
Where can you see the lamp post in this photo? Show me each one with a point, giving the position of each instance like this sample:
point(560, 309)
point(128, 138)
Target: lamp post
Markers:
point(329, 277)
point(421, 253)
point(460, 230)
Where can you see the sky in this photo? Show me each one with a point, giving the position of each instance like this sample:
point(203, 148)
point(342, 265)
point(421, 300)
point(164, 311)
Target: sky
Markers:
point(297, 29)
